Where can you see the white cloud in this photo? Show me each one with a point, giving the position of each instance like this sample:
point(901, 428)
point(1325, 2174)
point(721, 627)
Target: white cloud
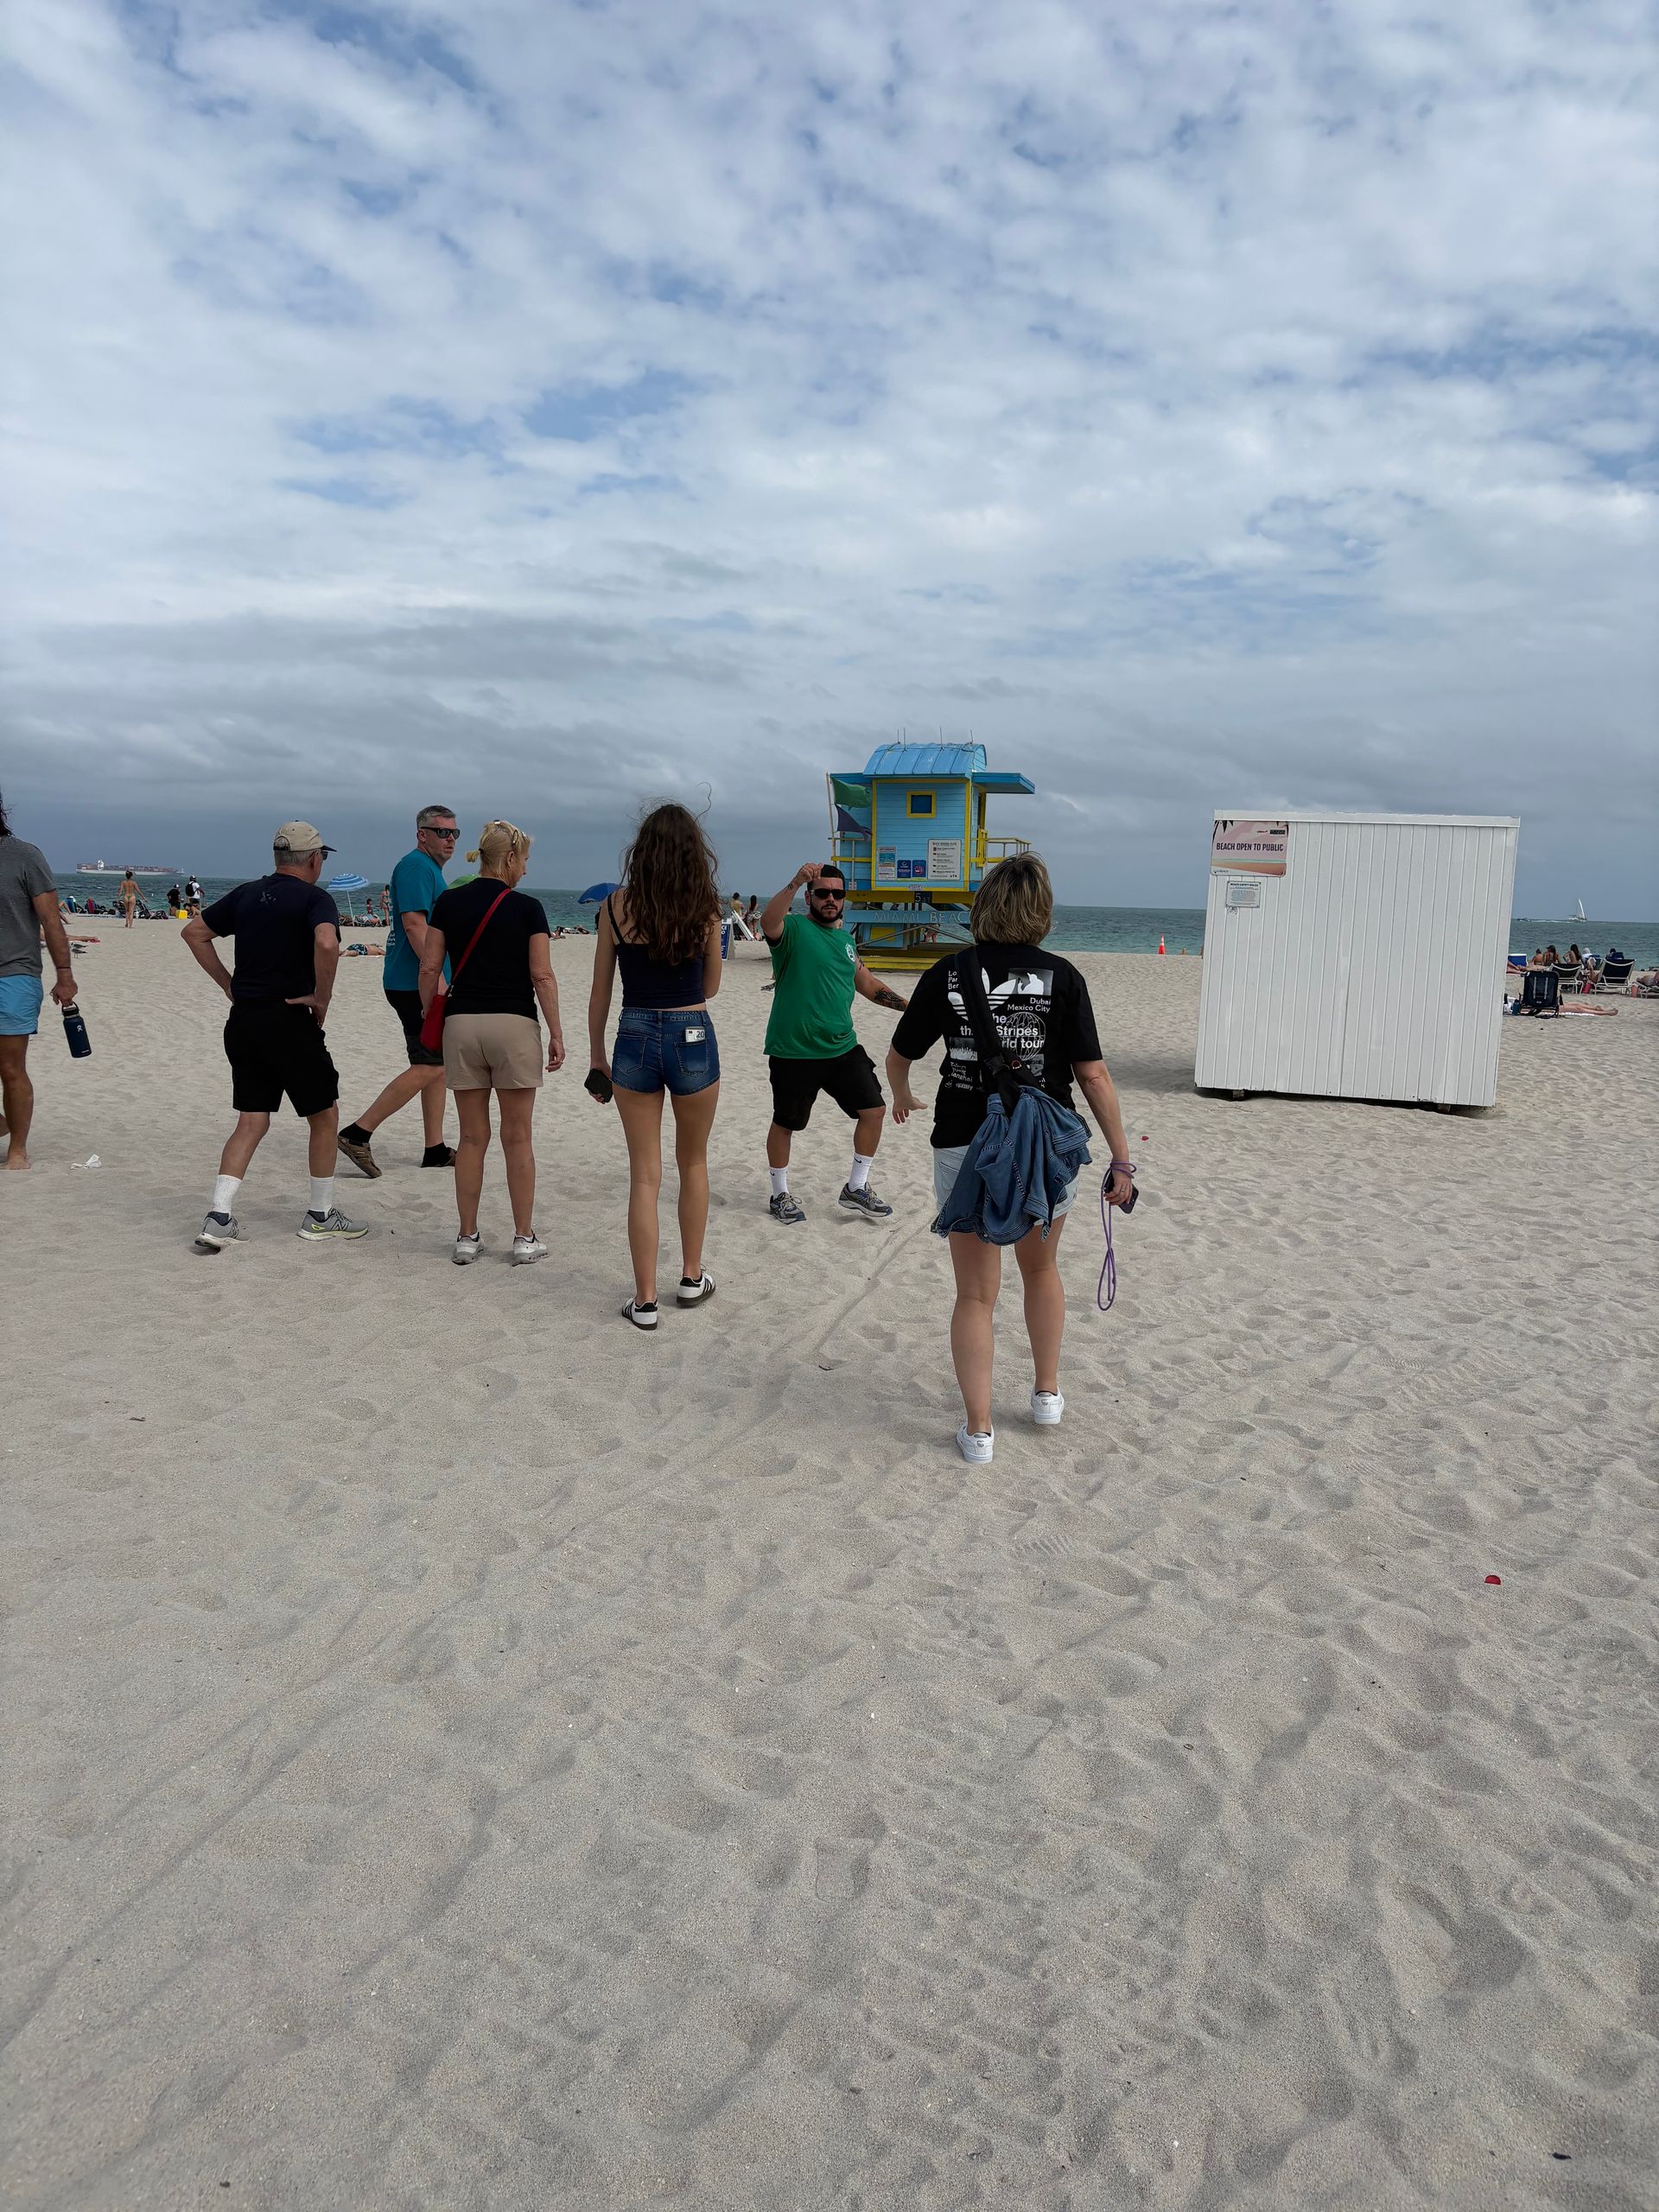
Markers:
point(1208, 406)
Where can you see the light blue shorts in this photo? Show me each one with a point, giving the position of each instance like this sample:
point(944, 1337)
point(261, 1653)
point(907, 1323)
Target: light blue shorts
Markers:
point(661, 1049)
point(21, 999)
point(947, 1165)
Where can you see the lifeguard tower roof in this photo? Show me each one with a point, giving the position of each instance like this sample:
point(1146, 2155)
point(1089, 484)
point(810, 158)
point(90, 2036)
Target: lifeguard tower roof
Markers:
point(967, 761)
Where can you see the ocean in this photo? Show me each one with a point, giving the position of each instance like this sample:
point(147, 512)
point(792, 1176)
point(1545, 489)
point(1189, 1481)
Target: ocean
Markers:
point(1076, 928)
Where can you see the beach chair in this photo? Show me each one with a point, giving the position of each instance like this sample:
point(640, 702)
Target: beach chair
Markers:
point(1615, 975)
point(1540, 991)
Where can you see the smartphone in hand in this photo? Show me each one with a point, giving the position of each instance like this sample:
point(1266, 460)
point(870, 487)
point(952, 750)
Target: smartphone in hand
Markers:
point(598, 1086)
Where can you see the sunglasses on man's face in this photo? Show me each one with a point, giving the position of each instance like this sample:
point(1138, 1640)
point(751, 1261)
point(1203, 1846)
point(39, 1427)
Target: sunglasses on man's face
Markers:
point(820, 891)
point(431, 832)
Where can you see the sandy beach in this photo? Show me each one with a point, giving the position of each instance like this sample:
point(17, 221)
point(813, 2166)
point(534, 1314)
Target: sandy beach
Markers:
point(464, 1754)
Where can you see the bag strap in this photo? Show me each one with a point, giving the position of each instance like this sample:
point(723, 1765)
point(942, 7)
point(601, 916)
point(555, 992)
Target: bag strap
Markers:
point(454, 973)
point(970, 984)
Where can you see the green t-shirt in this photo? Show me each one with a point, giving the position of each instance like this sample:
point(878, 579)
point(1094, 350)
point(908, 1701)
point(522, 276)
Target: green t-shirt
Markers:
point(812, 1009)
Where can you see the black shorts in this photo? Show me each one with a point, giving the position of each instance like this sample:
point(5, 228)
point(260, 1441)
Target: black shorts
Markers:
point(277, 1051)
point(850, 1080)
point(406, 1005)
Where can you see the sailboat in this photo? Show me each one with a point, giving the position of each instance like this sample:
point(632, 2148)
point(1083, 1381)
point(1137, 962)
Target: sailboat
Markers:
point(1580, 917)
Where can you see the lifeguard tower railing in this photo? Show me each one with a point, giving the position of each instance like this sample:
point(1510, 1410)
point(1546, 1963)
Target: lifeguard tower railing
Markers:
point(851, 848)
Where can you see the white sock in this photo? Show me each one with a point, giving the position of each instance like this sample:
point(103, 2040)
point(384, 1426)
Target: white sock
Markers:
point(860, 1174)
point(779, 1180)
point(322, 1193)
point(224, 1190)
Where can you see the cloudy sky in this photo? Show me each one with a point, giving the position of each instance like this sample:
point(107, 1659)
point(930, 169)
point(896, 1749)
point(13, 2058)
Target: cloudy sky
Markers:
point(543, 407)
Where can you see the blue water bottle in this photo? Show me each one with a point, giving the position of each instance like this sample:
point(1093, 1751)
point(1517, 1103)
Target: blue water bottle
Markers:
point(75, 1028)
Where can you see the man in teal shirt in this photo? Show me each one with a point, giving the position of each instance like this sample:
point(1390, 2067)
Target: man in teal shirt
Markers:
point(811, 1045)
point(417, 882)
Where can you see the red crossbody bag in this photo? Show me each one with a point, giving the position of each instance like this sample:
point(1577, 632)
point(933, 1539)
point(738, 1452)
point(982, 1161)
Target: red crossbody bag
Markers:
point(432, 1025)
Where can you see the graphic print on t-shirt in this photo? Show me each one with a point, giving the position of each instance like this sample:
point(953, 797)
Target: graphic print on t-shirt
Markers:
point(1023, 1007)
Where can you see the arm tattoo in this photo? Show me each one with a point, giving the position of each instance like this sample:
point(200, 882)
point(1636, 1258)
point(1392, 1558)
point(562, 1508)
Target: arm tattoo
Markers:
point(884, 997)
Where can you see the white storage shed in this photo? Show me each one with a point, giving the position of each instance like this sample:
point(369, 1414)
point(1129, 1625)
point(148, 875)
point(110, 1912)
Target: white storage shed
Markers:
point(1356, 956)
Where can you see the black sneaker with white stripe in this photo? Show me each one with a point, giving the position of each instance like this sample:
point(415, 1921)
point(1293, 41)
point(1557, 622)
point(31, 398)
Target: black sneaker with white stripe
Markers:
point(864, 1202)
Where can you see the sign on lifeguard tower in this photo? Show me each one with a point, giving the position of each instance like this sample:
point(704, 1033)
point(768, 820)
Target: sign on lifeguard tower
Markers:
point(909, 828)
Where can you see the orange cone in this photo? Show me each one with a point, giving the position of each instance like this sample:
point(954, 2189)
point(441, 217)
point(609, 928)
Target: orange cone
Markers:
point(1160, 945)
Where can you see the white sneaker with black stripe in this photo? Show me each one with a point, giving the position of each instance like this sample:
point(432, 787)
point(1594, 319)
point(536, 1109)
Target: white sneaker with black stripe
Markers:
point(693, 1294)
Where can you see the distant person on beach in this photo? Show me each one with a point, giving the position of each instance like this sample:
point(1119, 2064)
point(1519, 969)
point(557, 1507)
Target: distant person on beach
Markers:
point(384, 909)
point(662, 928)
point(811, 1042)
point(417, 885)
point(495, 938)
point(752, 914)
point(1040, 1004)
point(28, 911)
point(287, 933)
point(127, 893)
point(192, 896)
point(173, 897)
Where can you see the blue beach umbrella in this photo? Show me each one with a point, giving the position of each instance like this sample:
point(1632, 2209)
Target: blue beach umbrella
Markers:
point(595, 892)
point(348, 884)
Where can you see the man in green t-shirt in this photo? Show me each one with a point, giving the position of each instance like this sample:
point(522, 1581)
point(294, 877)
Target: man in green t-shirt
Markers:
point(811, 1045)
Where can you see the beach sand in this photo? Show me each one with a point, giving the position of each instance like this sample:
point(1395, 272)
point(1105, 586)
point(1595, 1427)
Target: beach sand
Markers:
point(462, 1753)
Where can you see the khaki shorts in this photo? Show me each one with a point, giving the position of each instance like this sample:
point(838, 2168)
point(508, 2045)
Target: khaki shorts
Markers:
point(493, 1052)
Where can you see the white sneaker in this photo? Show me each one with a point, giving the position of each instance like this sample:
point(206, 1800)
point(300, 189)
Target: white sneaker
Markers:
point(693, 1294)
point(468, 1249)
point(975, 1449)
point(525, 1248)
point(1046, 1407)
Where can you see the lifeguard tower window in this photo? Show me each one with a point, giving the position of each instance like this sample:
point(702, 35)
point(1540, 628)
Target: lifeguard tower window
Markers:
point(918, 803)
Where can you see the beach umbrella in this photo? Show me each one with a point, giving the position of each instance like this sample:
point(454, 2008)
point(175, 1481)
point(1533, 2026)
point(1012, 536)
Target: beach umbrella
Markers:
point(595, 892)
point(348, 884)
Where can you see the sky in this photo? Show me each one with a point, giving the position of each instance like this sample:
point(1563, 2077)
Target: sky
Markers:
point(543, 408)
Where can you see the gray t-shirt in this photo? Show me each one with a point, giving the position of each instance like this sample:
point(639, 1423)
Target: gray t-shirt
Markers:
point(23, 876)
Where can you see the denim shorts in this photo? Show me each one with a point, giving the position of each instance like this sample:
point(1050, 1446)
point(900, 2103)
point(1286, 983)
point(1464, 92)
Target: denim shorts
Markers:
point(658, 1048)
point(947, 1165)
point(20, 1000)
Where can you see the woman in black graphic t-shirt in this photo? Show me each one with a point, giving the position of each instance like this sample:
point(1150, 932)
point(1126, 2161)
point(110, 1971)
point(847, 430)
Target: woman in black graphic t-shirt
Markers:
point(1040, 1004)
point(496, 940)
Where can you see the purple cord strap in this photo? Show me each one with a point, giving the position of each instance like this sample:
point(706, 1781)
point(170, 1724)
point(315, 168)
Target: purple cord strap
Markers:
point(1106, 1288)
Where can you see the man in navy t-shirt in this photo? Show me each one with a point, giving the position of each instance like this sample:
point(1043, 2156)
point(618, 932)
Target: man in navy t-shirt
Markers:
point(418, 884)
point(287, 933)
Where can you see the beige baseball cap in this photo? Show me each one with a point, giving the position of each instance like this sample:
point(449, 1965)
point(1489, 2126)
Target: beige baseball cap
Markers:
point(297, 840)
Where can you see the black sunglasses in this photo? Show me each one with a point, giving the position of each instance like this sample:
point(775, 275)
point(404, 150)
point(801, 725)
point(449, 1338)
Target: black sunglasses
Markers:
point(432, 832)
point(827, 891)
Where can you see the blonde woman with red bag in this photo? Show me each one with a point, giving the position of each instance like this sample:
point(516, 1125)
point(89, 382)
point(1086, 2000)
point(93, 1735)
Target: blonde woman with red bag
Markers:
point(497, 939)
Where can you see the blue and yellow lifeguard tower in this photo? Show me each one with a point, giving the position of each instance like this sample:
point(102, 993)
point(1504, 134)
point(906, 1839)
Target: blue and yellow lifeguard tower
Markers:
point(909, 830)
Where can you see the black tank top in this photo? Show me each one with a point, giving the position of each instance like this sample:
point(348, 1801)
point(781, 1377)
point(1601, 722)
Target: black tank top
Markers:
point(648, 982)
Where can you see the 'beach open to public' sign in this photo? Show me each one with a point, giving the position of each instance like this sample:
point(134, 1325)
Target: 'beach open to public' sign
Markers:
point(1253, 848)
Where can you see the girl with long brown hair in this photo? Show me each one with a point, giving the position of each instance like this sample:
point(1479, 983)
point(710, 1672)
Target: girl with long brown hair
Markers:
point(662, 930)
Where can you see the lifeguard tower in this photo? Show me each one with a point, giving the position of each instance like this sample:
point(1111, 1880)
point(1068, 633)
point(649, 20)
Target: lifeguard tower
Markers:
point(909, 830)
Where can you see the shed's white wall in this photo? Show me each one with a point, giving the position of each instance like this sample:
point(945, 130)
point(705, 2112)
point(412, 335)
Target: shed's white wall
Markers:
point(1372, 969)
